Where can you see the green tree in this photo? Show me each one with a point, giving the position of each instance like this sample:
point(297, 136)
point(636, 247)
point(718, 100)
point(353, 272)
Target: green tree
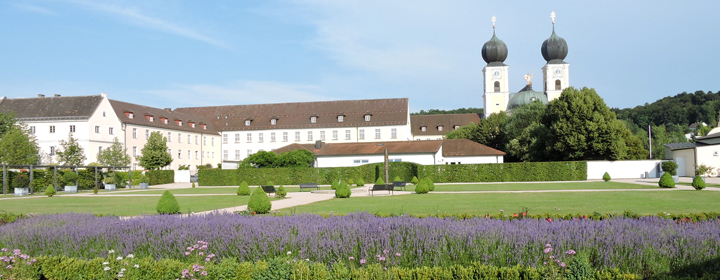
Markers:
point(155, 152)
point(525, 135)
point(297, 158)
point(582, 127)
point(7, 122)
point(70, 152)
point(115, 155)
point(17, 146)
point(488, 131)
point(259, 202)
point(263, 159)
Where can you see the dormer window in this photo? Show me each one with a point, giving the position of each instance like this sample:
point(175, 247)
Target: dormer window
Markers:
point(179, 123)
point(440, 127)
point(130, 115)
point(273, 121)
point(247, 122)
point(341, 118)
point(204, 126)
point(192, 124)
point(313, 119)
point(457, 127)
point(150, 118)
point(165, 120)
point(423, 128)
point(367, 117)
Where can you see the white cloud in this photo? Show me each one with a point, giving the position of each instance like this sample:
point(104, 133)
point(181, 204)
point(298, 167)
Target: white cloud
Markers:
point(134, 16)
point(35, 9)
point(239, 92)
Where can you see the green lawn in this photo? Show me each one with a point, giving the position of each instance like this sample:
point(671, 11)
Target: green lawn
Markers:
point(645, 202)
point(121, 206)
point(706, 185)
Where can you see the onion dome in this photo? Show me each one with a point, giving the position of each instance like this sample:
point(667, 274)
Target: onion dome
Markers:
point(554, 49)
point(526, 96)
point(494, 52)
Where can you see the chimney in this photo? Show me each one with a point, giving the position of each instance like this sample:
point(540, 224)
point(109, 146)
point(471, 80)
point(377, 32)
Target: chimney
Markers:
point(57, 95)
point(318, 144)
point(168, 109)
point(41, 95)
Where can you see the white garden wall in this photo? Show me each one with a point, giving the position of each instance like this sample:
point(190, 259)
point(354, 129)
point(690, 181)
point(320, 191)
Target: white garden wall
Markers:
point(625, 169)
point(182, 176)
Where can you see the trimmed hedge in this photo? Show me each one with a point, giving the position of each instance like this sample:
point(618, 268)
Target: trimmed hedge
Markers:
point(159, 177)
point(495, 172)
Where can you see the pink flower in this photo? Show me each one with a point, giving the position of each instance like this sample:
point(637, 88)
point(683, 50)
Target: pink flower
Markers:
point(398, 254)
point(363, 261)
point(382, 259)
point(547, 250)
point(552, 257)
point(548, 246)
point(201, 253)
point(187, 253)
point(351, 258)
point(204, 273)
point(562, 264)
point(570, 252)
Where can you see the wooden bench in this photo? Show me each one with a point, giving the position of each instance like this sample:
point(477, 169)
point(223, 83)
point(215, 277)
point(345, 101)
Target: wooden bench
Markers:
point(387, 187)
point(400, 184)
point(309, 186)
point(269, 189)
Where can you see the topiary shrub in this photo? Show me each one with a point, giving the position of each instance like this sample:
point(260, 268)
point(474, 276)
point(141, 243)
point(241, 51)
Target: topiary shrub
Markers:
point(193, 185)
point(270, 183)
point(414, 180)
point(380, 181)
point(334, 185)
point(670, 167)
point(50, 191)
point(167, 204)
point(259, 202)
point(397, 179)
point(350, 182)
point(360, 182)
point(343, 191)
point(422, 187)
point(698, 183)
point(606, 177)
point(281, 192)
point(243, 189)
point(95, 190)
point(430, 184)
point(666, 181)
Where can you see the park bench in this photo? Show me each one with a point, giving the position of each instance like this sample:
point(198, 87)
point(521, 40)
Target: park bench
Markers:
point(386, 187)
point(269, 189)
point(309, 186)
point(400, 184)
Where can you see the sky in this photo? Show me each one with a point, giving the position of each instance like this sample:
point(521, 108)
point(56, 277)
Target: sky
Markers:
point(176, 53)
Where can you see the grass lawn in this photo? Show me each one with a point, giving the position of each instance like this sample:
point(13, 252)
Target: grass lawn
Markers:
point(649, 202)
point(121, 206)
point(706, 185)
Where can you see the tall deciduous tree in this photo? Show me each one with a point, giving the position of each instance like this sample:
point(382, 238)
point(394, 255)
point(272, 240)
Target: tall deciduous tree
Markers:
point(115, 155)
point(70, 152)
point(488, 132)
point(155, 152)
point(525, 136)
point(297, 158)
point(582, 127)
point(18, 147)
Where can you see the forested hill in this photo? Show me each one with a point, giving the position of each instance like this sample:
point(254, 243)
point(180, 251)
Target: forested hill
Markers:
point(455, 111)
point(682, 109)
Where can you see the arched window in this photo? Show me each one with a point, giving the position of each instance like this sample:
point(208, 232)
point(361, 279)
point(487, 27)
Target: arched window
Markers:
point(497, 86)
point(558, 85)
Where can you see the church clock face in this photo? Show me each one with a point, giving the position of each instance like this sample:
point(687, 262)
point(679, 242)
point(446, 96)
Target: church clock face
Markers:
point(496, 74)
point(557, 73)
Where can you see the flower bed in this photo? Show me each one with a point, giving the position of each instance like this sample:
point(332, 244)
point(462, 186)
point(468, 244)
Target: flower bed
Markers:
point(646, 246)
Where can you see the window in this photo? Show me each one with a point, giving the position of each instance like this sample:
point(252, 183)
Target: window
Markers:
point(237, 137)
point(377, 133)
point(72, 128)
point(134, 151)
point(361, 134)
point(225, 138)
point(335, 135)
point(358, 161)
point(440, 128)
point(341, 118)
point(192, 124)
point(313, 119)
point(130, 115)
point(423, 128)
point(285, 136)
point(213, 154)
point(52, 129)
point(456, 127)
point(322, 135)
point(273, 121)
point(225, 154)
point(197, 155)
point(189, 138)
point(99, 149)
point(558, 85)
point(310, 136)
point(135, 166)
point(170, 152)
point(179, 154)
point(147, 134)
point(497, 87)
point(180, 123)
point(203, 154)
point(297, 135)
point(237, 154)
point(367, 117)
point(272, 136)
point(205, 140)
point(249, 152)
point(261, 137)
point(110, 131)
point(393, 133)
point(395, 160)
point(189, 154)
point(347, 134)
point(247, 122)
point(169, 136)
point(104, 114)
point(196, 140)
point(212, 142)
point(249, 138)
point(165, 121)
point(32, 130)
point(97, 129)
point(134, 133)
point(179, 137)
point(52, 150)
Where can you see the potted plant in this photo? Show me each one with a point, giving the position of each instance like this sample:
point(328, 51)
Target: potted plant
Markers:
point(144, 182)
point(704, 171)
point(70, 181)
point(109, 183)
point(20, 183)
point(671, 167)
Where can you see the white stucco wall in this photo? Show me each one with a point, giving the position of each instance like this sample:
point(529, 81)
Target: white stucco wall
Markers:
point(688, 156)
point(340, 161)
point(626, 169)
point(178, 144)
point(707, 155)
point(473, 159)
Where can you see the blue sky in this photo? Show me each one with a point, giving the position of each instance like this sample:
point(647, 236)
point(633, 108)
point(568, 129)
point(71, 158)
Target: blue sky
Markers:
point(197, 53)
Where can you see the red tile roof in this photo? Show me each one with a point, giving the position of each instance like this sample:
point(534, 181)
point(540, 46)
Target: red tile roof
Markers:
point(465, 147)
point(140, 111)
point(451, 147)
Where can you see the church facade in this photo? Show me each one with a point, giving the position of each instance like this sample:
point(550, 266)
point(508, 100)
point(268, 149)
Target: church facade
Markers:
point(556, 74)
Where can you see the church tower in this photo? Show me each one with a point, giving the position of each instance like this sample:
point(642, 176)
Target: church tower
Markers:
point(495, 74)
point(556, 73)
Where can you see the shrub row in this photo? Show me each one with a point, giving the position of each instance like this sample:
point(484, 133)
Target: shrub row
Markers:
point(44, 177)
point(159, 177)
point(58, 267)
point(497, 172)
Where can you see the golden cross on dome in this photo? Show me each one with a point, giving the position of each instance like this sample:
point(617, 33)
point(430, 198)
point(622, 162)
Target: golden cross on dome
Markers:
point(493, 20)
point(552, 16)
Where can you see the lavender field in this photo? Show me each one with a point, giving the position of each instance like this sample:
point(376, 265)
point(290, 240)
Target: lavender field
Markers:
point(633, 245)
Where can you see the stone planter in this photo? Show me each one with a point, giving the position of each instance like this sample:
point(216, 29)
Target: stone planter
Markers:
point(144, 186)
point(676, 179)
point(109, 187)
point(21, 191)
point(70, 189)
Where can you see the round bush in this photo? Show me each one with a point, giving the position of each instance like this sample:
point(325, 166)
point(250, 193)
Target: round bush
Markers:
point(350, 182)
point(360, 182)
point(243, 189)
point(430, 184)
point(606, 177)
point(380, 181)
point(666, 181)
point(698, 183)
point(50, 191)
point(270, 183)
point(95, 190)
point(259, 202)
point(422, 187)
point(334, 185)
point(414, 180)
point(670, 166)
point(167, 204)
point(343, 191)
point(281, 192)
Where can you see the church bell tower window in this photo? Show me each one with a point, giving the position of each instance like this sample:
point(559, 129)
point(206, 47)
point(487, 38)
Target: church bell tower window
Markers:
point(497, 86)
point(558, 85)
